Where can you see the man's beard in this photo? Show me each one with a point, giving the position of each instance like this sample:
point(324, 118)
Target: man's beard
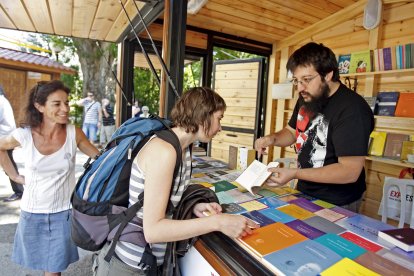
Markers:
point(317, 103)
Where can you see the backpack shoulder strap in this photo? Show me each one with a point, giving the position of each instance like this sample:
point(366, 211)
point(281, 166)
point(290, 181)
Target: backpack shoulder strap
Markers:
point(169, 136)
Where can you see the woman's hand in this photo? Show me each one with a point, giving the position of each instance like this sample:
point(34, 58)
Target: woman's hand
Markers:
point(206, 209)
point(235, 226)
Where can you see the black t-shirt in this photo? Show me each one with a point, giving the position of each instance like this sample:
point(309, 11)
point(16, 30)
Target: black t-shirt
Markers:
point(341, 129)
point(110, 120)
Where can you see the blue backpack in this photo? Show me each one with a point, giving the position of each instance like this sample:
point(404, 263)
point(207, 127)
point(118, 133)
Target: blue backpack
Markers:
point(100, 200)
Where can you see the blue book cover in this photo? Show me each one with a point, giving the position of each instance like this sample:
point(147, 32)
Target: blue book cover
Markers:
point(306, 204)
point(341, 246)
point(307, 258)
point(324, 225)
point(387, 102)
point(259, 218)
point(276, 215)
point(343, 63)
point(272, 202)
point(305, 229)
point(366, 227)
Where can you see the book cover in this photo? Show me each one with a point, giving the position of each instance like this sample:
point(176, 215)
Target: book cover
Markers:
point(272, 202)
point(234, 196)
point(305, 229)
point(393, 58)
point(270, 238)
point(258, 218)
point(255, 175)
point(288, 198)
point(364, 243)
point(296, 211)
point(233, 153)
point(387, 102)
point(324, 225)
point(381, 265)
point(306, 204)
point(348, 267)
point(324, 204)
point(281, 191)
point(223, 185)
point(343, 63)
point(372, 102)
point(393, 145)
point(276, 215)
point(405, 105)
point(366, 227)
point(266, 193)
point(329, 214)
point(341, 246)
point(344, 211)
point(407, 56)
point(253, 205)
point(407, 148)
point(408, 254)
point(401, 237)
point(377, 145)
point(397, 258)
point(233, 208)
point(360, 62)
point(386, 52)
point(305, 196)
point(305, 258)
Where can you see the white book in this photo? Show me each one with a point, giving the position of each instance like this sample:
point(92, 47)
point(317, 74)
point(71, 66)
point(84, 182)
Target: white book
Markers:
point(255, 175)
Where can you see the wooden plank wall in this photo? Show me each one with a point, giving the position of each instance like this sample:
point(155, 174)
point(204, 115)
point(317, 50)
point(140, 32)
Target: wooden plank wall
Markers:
point(348, 35)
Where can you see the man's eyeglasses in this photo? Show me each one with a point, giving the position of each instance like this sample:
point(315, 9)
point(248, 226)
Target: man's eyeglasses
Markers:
point(304, 82)
point(90, 95)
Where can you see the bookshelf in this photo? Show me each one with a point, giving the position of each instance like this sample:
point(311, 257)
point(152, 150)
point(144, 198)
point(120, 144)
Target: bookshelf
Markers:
point(390, 161)
point(388, 72)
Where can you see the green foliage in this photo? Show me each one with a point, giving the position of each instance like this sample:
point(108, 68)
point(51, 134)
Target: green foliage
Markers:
point(146, 89)
point(192, 74)
point(227, 54)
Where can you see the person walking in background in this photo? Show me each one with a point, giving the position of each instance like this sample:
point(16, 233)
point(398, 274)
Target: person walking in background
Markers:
point(43, 240)
point(328, 116)
point(108, 122)
point(145, 112)
point(7, 125)
point(92, 116)
point(136, 110)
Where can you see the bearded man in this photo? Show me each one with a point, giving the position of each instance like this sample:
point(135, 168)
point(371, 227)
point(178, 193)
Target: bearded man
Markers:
point(330, 128)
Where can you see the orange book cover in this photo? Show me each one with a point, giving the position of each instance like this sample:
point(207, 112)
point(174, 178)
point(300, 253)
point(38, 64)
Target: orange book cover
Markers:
point(270, 238)
point(405, 105)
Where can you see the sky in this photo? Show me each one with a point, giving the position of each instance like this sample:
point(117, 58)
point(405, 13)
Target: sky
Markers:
point(7, 35)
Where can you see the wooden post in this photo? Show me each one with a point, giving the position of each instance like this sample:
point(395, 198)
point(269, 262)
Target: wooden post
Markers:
point(165, 53)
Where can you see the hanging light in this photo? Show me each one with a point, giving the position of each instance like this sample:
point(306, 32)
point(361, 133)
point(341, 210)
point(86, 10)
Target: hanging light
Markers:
point(194, 6)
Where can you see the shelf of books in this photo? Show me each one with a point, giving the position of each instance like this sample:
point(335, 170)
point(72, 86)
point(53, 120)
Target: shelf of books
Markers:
point(390, 161)
point(395, 72)
point(297, 234)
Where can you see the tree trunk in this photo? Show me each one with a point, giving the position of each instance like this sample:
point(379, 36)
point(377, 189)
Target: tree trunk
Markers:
point(96, 72)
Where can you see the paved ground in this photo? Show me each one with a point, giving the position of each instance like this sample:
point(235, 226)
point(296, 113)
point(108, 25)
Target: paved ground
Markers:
point(9, 216)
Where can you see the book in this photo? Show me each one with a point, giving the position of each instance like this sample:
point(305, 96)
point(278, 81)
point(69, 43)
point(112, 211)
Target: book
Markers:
point(364, 243)
point(270, 238)
point(258, 218)
point(306, 204)
point(387, 102)
point(272, 202)
point(397, 258)
point(296, 211)
point(233, 208)
point(405, 105)
point(276, 215)
point(343, 63)
point(223, 185)
point(305, 229)
point(366, 227)
point(234, 196)
point(341, 246)
point(401, 237)
point(255, 175)
point(393, 145)
point(305, 258)
point(324, 225)
point(348, 267)
point(253, 205)
point(373, 103)
point(381, 265)
point(344, 211)
point(407, 148)
point(377, 145)
point(329, 214)
point(360, 62)
point(386, 53)
point(323, 204)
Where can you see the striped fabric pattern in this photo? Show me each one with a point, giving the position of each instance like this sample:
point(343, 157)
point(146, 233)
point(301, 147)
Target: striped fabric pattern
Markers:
point(129, 253)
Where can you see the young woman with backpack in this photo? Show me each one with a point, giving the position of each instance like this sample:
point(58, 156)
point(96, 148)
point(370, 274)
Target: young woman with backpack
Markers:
point(49, 143)
point(195, 117)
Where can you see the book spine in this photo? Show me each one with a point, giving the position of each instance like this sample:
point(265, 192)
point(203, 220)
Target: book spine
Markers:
point(387, 58)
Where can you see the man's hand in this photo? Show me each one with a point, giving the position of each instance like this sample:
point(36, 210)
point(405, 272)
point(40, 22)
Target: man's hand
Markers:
point(261, 144)
point(18, 179)
point(280, 176)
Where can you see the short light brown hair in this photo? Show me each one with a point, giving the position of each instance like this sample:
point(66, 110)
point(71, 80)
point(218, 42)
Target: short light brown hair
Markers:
point(195, 108)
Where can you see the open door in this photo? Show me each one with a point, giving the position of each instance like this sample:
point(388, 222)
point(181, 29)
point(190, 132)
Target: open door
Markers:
point(240, 83)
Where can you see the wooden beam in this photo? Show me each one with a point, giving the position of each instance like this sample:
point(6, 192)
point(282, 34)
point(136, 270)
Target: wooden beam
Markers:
point(105, 17)
point(39, 13)
point(165, 54)
point(33, 67)
point(5, 21)
point(20, 19)
point(83, 15)
point(61, 12)
point(324, 24)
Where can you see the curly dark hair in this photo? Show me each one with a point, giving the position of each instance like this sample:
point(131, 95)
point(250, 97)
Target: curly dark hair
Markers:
point(319, 56)
point(195, 108)
point(38, 94)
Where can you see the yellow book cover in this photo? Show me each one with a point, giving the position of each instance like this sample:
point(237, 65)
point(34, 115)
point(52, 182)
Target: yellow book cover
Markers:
point(296, 211)
point(361, 62)
point(270, 238)
point(253, 205)
point(323, 204)
point(348, 267)
point(377, 143)
point(407, 148)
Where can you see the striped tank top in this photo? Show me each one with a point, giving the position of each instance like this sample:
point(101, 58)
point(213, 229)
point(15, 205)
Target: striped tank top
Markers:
point(129, 253)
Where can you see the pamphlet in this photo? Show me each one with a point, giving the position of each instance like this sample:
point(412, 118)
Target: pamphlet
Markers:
point(255, 175)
